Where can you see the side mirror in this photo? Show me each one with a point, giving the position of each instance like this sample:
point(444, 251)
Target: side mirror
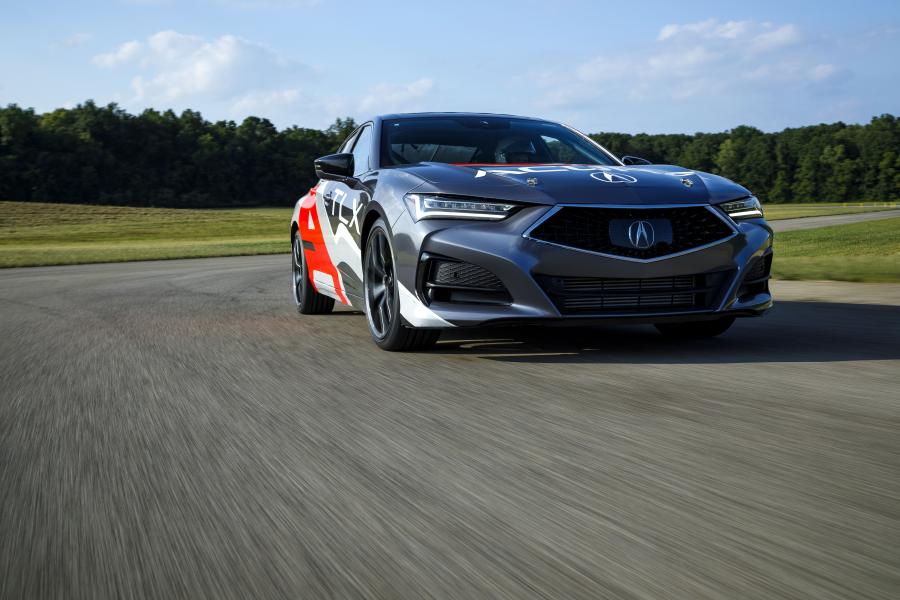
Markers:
point(635, 160)
point(337, 167)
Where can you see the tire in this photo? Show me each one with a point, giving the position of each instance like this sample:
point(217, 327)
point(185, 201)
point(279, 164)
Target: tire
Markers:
point(307, 299)
point(383, 300)
point(695, 330)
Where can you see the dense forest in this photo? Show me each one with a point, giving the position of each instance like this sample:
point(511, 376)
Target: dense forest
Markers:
point(102, 154)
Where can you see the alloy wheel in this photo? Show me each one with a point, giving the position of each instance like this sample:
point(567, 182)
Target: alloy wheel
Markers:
point(379, 283)
point(297, 269)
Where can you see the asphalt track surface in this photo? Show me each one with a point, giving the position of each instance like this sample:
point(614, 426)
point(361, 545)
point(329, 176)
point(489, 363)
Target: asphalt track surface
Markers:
point(175, 430)
point(824, 221)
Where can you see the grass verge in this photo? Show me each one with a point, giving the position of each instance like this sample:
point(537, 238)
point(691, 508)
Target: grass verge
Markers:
point(856, 252)
point(33, 234)
point(822, 209)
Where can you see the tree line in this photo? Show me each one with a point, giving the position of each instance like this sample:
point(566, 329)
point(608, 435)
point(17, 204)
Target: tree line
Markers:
point(104, 155)
point(819, 163)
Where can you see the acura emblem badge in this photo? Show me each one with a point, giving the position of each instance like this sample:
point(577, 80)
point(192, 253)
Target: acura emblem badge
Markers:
point(641, 235)
point(613, 177)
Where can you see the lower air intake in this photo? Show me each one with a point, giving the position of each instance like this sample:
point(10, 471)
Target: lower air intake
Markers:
point(573, 295)
point(450, 273)
point(756, 279)
point(462, 282)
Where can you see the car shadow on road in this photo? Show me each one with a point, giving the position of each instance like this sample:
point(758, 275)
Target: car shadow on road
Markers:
point(790, 332)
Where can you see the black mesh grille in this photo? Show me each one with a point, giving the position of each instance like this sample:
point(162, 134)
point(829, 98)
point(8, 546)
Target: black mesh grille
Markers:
point(460, 274)
point(756, 279)
point(460, 282)
point(588, 228)
point(602, 295)
point(759, 269)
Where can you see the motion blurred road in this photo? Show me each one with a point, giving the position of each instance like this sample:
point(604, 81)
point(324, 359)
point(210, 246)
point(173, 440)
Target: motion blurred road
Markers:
point(814, 222)
point(176, 430)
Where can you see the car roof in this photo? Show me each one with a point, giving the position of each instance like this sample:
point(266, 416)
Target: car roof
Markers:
point(450, 114)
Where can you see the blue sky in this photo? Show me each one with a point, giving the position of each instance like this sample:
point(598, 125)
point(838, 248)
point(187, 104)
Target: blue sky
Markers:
point(600, 66)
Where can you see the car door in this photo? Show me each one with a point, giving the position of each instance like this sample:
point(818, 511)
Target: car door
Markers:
point(344, 205)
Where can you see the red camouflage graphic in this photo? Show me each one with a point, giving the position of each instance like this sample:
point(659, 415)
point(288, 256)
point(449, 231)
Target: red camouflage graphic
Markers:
point(317, 259)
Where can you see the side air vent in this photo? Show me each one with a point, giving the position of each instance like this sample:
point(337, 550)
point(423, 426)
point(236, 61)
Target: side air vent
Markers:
point(756, 278)
point(447, 280)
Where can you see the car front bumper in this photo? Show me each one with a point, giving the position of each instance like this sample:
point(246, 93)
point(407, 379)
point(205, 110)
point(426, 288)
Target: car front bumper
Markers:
point(519, 261)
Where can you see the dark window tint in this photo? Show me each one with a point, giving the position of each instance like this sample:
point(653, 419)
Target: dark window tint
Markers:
point(562, 151)
point(485, 140)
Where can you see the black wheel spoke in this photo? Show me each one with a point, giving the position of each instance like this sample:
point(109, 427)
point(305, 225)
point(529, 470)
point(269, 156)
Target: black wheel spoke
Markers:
point(297, 269)
point(375, 317)
point(382, 254)
point(379, 283)
point(383, 311)
point(378, 292)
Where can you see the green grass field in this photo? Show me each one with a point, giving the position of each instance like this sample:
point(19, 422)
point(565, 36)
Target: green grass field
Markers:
point(34, 234)
point(821, 209)
point(56, 234)
point(856, 252)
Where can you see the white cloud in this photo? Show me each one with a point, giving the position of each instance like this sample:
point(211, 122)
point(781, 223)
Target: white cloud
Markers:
point(232, 77)
point(776, 38)
point(882, 32)
point(823, 72)
point(261, 102)
point(266, 4)
point(385, 97)
point(290, 106)
point(77, 39)
point(708, 29)
point(597, 70)
point(175, 67)
point(120, 55)
point(692, 59)
point(189, 66)
point(759, 35)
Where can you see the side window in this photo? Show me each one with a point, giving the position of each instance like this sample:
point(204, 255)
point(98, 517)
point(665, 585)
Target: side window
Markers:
point(361, 151)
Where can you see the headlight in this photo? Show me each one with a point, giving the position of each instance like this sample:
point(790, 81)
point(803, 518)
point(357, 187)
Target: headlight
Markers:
point(424, 206)
point(748, 208)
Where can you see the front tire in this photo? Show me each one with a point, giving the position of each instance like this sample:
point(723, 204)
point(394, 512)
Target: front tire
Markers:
point(695, 330)
point(307, 299)
point(383, 300)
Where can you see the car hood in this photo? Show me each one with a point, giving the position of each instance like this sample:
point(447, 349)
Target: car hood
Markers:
point(577, 184)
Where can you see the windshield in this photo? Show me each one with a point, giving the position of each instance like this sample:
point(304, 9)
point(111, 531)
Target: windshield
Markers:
point(485, 140)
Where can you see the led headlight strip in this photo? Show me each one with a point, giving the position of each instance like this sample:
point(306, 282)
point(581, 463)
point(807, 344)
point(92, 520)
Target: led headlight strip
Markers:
point(424, 206)
point(748, 208)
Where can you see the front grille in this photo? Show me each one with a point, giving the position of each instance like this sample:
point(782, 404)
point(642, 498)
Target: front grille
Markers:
point(461, 282)
point(588, 228)
point(605, 295)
